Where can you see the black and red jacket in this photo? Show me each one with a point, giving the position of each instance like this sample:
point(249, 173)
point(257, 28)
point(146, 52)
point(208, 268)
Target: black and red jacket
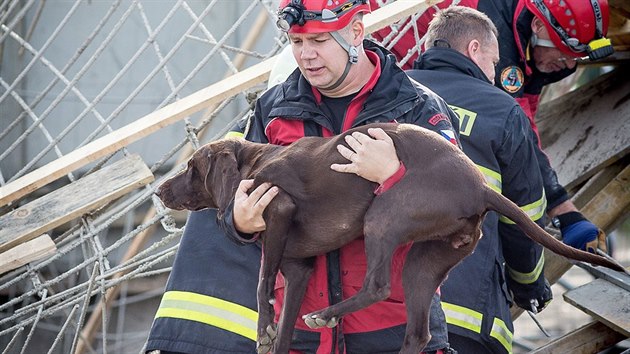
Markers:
point(291, 110)
point(515, 74)
point(495, 134)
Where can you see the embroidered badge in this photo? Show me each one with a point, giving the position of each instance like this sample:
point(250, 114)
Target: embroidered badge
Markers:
point(449, 135)
point(512, 79)
point(437, 118)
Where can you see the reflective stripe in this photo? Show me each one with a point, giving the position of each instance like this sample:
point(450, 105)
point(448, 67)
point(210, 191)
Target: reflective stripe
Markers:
point(492, 178)
point(527, 278)
point(234, 135)
point(462, 317)
point(535, 210)
point(501, 333)
point(471, 320)
point(209, 310)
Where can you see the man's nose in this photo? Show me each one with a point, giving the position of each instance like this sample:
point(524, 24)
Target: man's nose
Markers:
point(569, 63)
point(307, 52)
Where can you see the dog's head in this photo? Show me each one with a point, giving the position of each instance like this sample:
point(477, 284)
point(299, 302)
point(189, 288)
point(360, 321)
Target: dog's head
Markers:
point(209, 181)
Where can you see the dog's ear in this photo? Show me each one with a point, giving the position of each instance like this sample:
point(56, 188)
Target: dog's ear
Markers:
point(222, 177)
point(184, 190)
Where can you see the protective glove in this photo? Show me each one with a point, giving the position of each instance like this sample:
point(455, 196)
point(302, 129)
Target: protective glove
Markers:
point(536, 304)
point(580, 233)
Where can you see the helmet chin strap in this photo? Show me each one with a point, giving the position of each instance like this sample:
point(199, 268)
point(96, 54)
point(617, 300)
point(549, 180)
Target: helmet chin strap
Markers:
point(353, 58)
point(537, 41)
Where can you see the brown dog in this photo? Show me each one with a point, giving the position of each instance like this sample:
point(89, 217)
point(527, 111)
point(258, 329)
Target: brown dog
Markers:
point(439, 205)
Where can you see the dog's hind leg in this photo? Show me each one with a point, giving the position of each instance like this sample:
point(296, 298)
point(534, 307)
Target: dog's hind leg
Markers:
point(297, 273)
point(426, 267)
point(376, 285)
point(278, 216)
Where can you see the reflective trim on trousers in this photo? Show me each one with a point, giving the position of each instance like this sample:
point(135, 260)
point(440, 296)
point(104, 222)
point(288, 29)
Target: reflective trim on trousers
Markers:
point(209, 310)
point(501, 333)
point(471, 320)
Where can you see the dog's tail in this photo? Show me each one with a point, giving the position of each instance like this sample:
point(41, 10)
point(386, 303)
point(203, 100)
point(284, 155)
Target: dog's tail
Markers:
point(506, 207)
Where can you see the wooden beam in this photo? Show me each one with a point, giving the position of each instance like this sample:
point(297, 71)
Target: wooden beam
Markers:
point(176, 111)
point(396, 11)
point(27, 252)
point(594, 185)
point(72, 200)
point(590, 338)
point(603, 210)
point(587, 129)
point(605, 301)
point(130, 133)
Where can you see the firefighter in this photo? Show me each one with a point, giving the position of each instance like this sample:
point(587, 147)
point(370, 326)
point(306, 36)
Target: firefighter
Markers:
point(342, 82)
point(462, 51)
point(539, 43)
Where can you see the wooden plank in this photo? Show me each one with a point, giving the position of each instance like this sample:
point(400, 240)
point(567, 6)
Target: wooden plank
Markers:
point(132, 132)
point(587, 129)
point(605, 301)
point(176, 111)
point(72, 200)
point(396, 11)
point(604, 210)
point(27, 252)
point(590, 338)
point(594, 185)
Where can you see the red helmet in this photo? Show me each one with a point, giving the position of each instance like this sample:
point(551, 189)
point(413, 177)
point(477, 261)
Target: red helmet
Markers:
point(576, 27)
point(317, 16)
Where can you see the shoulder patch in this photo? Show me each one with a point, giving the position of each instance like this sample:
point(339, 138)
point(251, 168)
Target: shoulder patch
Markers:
point(449, 135)
point(437, 118)
point(512, 79)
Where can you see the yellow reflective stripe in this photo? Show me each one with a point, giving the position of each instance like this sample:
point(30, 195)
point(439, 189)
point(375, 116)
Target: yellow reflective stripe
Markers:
point(535, 210)
point(209, 310)
point(234, 135)
point(462, 317)
point(492, 178)
point(527, 278)
point(501, 333)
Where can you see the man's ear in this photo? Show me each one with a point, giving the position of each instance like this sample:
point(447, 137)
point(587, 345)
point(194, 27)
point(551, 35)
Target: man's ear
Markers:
point(473, 51)
point(357, 31)
point(537, 25)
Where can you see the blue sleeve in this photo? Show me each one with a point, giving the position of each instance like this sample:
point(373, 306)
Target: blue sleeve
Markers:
point(521, 183)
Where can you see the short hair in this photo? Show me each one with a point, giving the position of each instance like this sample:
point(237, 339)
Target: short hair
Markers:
point(457, 26)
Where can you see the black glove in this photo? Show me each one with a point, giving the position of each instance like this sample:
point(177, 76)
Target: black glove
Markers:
point(537, 303)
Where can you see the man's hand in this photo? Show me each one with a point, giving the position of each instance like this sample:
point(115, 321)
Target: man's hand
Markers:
point(373, 158)
point(248, 209)
point(537, 304)
point(580, 233)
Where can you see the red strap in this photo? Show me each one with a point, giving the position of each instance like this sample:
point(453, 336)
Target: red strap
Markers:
point(393, 179)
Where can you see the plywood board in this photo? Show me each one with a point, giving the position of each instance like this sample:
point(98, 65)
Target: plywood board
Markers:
point(588, 129)
point(73, 200)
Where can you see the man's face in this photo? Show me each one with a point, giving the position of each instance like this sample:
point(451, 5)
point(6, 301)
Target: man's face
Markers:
point(547, 59)
point(320, 58)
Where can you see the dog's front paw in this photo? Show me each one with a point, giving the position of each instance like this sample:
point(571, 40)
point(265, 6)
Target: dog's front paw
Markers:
point(314, 321)
point(266, 339)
